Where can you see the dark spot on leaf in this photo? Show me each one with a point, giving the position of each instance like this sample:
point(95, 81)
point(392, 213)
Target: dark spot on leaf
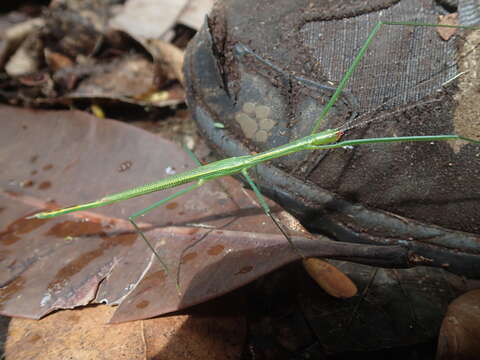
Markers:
point(33, 172)
point(33, 338)
point(27, 183)
point(44, 185)
point(76, 228)
point(33, 158)
point(8, 239)
point(24, 127)
point(188, 257)
point(142, 304)
point(125, 166)
point(2, 209)
point(73, 318)
point(65, 273)
point(244, 270)
point(158, 276)
point(51, 205)
point(124, 239)
point(48, 167)
point(193, 231)
point(172, 205)
point(92, 227)
point(19, 227)
point(215, 250)
point(151, 281)
point(9, 291)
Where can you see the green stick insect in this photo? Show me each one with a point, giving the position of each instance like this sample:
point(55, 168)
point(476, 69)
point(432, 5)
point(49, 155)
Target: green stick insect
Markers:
point(328, 139)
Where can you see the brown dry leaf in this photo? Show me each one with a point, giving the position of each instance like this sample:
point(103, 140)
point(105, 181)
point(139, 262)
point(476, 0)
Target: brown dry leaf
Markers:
point(460, 333)
point(195, 12)
point(445, 32)
point(81, 13)
point(84, 334)
point(168, 57)
point(50, 159)
point(330, 279)
point(12, 36)
point(57, 61)
point(157, 17)
point(27, 58)
point(129, 79)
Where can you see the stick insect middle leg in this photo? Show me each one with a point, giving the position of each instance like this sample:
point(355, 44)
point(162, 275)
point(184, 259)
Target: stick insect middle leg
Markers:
point(267, 210)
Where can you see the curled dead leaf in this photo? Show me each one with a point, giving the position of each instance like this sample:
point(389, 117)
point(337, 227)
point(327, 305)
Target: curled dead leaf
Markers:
point(168, 58)
point(330, 279)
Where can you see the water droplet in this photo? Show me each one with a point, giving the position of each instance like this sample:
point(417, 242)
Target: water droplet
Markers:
point(170, 170)
point(124, 166)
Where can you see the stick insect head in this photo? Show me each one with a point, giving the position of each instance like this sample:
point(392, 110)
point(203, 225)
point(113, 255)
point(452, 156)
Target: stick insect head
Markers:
point(326, 137)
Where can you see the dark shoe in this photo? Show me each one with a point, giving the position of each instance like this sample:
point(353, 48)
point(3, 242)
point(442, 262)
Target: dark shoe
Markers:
point(265, 69)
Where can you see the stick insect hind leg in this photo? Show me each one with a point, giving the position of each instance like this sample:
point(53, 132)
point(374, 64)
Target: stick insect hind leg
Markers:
point(150, 208)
